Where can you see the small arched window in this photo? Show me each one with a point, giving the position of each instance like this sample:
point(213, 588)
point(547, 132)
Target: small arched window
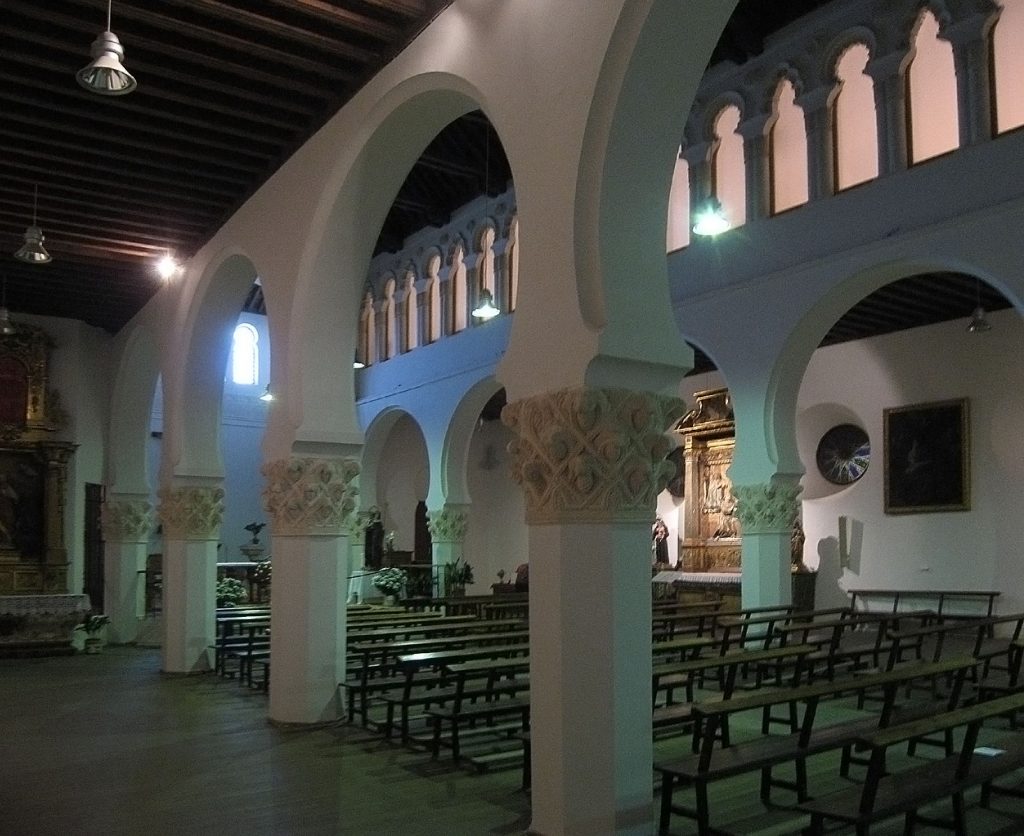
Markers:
point(727, 166)
point(934, 128)
point(433, 300)
point(390, 321)
point(788, 150)
point(367, 331)
point(678, 234)
point(485, 262)
point(245, 355)
point(411, 335)
point(457, 290)
point(512, 271)
point(1008, 61)
point(856, 137)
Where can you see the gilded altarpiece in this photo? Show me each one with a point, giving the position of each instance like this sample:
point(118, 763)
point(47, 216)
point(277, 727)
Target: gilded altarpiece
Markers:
point(711, 533)
point(33, 469)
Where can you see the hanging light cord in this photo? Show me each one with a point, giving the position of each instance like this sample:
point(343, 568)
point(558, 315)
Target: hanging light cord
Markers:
point(35, 205)
point(109, 2)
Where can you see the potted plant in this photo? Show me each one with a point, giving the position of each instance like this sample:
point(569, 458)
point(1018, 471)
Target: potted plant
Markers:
point(261, 577)
point(94, 622)
point(230, 592)
point(390, 582)
point(458, 575)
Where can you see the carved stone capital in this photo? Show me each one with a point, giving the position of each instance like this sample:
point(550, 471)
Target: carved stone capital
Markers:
point(192, 513)
point(448, 524)
point(308, 496)
point(591, 455)
point(126, 520)
point(355, 526)
point(767, 509)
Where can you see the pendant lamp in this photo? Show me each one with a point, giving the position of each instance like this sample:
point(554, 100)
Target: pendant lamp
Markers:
point(105, 74)
point(33, 251)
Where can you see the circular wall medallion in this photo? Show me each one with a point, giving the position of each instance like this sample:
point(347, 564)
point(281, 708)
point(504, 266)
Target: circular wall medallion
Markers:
point(844, 453)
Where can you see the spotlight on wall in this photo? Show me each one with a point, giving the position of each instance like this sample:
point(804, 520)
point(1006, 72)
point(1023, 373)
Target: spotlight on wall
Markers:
point(978, 323)
point(33, 251)
point(267, 395)
point(105, 74)
point(485, 310)
point(710, 218)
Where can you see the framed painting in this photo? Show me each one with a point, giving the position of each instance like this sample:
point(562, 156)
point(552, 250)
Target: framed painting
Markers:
point(927, 458)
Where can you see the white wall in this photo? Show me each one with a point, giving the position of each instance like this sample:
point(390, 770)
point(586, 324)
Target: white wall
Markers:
point(402, 482)
point(496, 538)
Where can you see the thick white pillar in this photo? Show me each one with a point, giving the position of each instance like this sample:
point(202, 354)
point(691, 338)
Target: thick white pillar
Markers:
point(448, 526)
point(309, 502)
point(127, 523)
point(767, 513)
point(591, 463)
point(191, 518)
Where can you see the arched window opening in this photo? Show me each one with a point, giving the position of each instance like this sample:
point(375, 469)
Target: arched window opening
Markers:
point(245, 356)
point(457, 290)
point(367, 331)
point(1008, 65)
point(433, 294)
point(390, 320)
point(411, 332)
point(485, 262)
point(512, 254)
point(788, 150)
point(853, 112)
point(931, 82)
point(728, 171)
point(678, 234)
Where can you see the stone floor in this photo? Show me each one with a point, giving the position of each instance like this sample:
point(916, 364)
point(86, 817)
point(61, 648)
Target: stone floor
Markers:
point(106, 745)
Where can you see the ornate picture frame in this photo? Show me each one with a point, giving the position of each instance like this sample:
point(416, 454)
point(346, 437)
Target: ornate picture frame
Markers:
point(927, 457)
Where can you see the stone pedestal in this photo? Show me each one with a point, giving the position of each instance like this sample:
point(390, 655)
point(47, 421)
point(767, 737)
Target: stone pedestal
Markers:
point(309, 502)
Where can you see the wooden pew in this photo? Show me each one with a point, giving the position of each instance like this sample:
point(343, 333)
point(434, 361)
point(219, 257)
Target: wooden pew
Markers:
point(763, 754)
point(886, 794)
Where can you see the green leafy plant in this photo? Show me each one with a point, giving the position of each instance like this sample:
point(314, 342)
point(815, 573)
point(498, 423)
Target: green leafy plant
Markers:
point(93, 623)
point(230, 592)
point(261, 574)
point(390, 581)
point(458, 575)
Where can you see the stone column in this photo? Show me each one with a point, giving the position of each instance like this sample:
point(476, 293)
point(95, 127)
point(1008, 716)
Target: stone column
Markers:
point(890, 111)
point(972, 48)
point(758, 173)
point(358, 583)
point(591, 463)
point(191, 518)
point(448, 527)
point(766, 513)
point(698, 166)
point(126, 522)
point(308, 501)
point(817, 107)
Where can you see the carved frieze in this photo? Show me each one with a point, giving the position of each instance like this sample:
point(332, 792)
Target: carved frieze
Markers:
point(191, 513)
point(591, 455)
point(765, 509)
point(127, 520)
point(307, 496)
point(448, 524)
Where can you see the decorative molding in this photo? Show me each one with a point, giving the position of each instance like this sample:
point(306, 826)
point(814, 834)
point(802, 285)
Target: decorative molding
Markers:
point(448, 524)
point(309, 496)
point(767, 508)
point(192, 513)
point(591, 455)
point(356, 525)
point(126, 520)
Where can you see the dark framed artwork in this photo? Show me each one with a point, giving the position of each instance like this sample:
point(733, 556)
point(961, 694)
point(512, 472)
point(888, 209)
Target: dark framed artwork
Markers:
point(927, 458)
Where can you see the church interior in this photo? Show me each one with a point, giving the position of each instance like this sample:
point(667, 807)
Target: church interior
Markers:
point(568, 377)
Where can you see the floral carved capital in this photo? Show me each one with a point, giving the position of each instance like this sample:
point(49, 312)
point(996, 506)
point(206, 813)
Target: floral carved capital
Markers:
point(126, 520)
point(766, 508)
point(591, 455)
point(307, 496)
point(448, 524)
point(193, 513)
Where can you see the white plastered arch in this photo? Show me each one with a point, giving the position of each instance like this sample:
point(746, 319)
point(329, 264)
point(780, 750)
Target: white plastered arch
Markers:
point(453, 471)
point(376, 439)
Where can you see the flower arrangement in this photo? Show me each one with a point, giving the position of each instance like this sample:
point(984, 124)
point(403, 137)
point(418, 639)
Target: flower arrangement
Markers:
point(254, 528)
point(93, 624)
point(390, 581)
point(230, 592)
point(261, 574)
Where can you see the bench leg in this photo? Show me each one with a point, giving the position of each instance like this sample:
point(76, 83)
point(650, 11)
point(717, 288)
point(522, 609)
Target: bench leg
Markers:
point(455, 739)
point(667, 785)
point(703, 810)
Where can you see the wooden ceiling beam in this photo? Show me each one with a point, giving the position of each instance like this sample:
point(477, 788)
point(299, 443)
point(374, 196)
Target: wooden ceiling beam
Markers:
point(345, 18)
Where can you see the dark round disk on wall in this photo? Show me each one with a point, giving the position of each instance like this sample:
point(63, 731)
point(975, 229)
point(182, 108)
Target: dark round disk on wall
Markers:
point(843, 454)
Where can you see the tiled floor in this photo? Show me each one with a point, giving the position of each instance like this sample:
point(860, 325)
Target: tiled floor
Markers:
point(107, 745)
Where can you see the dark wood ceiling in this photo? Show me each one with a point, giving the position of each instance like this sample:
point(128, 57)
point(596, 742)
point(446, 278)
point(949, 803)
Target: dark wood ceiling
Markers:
point(228, 89)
